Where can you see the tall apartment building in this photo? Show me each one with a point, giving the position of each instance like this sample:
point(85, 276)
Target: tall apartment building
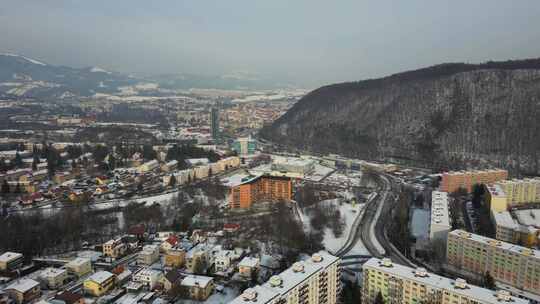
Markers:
point(260, 188)
point(214, 122)
point(452, 181)
point(401, 284)
point(313, 281)
point(244, 146)
point(520, 191)
point(495, 198)
point(512, 265)
point(440, 220)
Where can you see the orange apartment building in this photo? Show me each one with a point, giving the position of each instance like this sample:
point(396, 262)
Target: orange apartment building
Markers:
point(452, 181)
point(262, 188)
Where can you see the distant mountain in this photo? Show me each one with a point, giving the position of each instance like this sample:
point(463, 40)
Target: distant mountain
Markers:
point(450, 115)
point(23, 76)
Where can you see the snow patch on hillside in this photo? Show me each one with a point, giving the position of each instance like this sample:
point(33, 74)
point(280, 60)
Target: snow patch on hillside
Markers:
point(25, 58)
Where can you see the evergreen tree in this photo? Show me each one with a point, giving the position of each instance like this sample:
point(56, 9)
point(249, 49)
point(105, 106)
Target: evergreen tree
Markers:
point(5, 187)
point(379, 298)
point(18, 160)
point(489, 281)
point(172, 181)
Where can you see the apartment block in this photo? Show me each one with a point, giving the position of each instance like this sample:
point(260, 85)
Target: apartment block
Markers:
point(440, 220)
point(509, 229)
point(495, 198)
point(509, 264)
point(521, 191)
point(452, 181)
point(401, 284)
point(313, 281)
point(260, 188)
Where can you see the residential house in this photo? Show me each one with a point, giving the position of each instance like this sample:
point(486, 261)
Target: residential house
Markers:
point(10, 261)
point(248, 266)
point(175, 258)
point(172, 279)
point(148, 255)
point(199, 287)
point(68, 297)
point(53, 277)
point(79, 266)
point(149, 278)
point(99, 283)
point(23, 290)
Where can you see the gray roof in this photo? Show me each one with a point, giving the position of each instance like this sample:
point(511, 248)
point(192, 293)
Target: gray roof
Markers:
point(471, 291)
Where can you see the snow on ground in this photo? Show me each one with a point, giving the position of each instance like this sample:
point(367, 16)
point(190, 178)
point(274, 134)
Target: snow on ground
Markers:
point(341, 179)
point(99, 70)
point(226, 296)
point(25, 58)
point(319, 173)
point(349, 213)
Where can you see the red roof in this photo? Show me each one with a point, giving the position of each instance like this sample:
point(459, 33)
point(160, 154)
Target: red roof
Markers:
point(173, 240)
point(231, 226)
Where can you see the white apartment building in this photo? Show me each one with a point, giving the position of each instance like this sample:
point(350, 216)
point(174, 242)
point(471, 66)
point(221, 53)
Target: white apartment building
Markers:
point(401, 284)
point(440, 219)
point(148, 255)
point(315, 280)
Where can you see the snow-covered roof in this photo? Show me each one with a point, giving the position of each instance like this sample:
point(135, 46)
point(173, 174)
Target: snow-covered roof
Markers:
point(78, 262)
point(291, 277)
point(100, 276)
point(10, 256)
point(52, 272)
point(479, 294)
point(196, 281)
point(249, 262)
point(23, 285)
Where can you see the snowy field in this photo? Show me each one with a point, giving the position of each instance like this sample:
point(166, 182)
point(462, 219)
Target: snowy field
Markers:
point(349, 213)
point(226, 296)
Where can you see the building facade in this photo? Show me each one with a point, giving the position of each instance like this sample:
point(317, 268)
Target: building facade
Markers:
point(521, 191)
point(313, 281)
point(401, 284)
point(261, 188)
point(453, 181)
point(214, 122)
point(10, 261)
point(244, 146)
point(79, 266)
point(440, 221)
point(99, 283)
point(509, 264)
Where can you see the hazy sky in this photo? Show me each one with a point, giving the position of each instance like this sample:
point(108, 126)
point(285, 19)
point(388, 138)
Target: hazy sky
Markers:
point(310, 41)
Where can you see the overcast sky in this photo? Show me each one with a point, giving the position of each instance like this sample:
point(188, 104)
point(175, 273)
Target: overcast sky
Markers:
point(309, 41)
